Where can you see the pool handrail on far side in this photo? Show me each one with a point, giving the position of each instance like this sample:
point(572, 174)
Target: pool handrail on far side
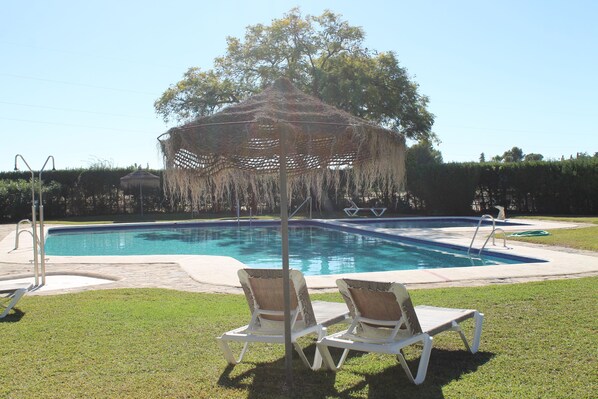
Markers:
point(486, 216)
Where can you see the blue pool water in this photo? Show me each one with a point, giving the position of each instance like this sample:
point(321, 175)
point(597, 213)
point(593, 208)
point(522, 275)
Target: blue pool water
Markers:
point(313, 250)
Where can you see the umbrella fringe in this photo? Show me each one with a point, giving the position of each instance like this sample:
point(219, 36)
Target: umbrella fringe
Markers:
point(382, 167)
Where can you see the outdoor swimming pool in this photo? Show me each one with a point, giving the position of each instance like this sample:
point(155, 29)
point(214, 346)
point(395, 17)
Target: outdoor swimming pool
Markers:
point(314, 249)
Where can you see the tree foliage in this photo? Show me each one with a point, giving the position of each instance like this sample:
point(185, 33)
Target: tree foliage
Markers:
point(516, 154)
point(533, 157)
point(421, 154)
point(324, 56)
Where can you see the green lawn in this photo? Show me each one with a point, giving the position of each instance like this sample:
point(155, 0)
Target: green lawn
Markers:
point(573, 219)
point(583, 238)
point(539, 341)
point(579, 238)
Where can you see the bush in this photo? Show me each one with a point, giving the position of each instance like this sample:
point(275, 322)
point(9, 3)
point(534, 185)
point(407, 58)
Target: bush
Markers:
point(15, 200)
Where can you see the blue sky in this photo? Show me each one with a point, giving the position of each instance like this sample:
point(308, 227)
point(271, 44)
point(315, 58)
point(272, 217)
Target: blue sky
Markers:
point(78, 79)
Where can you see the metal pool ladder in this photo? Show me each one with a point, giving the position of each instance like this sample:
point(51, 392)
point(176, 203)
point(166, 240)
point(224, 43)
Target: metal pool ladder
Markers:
point(308, 202)
point(21, 231)
point(492, 234)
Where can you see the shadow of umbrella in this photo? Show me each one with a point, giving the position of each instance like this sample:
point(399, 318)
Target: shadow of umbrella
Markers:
point(140, 178)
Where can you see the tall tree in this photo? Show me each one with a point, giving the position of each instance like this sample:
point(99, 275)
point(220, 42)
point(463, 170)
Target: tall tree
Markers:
point(533, 157)
point(422, 154)
point(515, 154)
point(324, 56)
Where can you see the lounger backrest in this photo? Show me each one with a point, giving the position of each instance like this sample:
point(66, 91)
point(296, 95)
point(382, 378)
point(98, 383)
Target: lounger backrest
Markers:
point(379, 301)
point(263, 289)
point(268, 292)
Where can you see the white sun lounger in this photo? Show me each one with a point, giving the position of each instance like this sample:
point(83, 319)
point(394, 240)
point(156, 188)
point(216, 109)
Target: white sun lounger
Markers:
point(385, 321)
point(264, 292)
point(353, 210)
point(10, 294)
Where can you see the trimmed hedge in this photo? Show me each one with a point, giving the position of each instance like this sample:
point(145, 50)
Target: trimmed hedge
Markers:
point(542, 187)
point(76, 192)
point(563, 187)
point(444, 188)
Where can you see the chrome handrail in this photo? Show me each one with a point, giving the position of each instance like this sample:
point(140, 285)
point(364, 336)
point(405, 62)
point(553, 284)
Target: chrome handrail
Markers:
point(300, 206)
point(493, 235)
point(478, 227)
point(39, 252)
point(18, 233)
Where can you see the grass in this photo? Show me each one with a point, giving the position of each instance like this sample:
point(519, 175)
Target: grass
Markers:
point(572, 219)
point(578, 238)
point(539, 341)
point(583, 238)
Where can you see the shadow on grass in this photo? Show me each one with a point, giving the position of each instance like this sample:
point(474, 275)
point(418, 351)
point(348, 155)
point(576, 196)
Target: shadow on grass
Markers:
point(13, 317)
point(267, 379)
point(445, 366)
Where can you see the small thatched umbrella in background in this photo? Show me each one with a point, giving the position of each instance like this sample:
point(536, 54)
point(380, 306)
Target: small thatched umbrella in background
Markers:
point(140, 178)
point(248, 150)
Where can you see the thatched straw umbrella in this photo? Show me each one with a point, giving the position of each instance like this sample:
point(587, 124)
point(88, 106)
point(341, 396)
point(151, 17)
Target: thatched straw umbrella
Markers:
point(248, 150)
point(140, 178)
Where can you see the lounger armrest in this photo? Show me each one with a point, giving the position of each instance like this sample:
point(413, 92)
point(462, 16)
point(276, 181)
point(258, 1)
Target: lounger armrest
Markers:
point(9, 287)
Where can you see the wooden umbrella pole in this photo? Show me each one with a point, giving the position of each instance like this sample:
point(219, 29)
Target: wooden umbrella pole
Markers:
point(284, 229)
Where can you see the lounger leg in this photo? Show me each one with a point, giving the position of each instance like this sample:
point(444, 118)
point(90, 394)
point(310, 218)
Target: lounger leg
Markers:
point(477, 332)
point(317, 359)
point(14, 298)
point(318, 356)
point(328, 361)
point(457, 328)
point(424, 360)
point(228, 353)
point(317, 364)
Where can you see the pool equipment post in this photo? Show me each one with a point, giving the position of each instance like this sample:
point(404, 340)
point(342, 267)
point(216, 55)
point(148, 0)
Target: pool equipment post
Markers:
point(42, 245)
point(33, 219)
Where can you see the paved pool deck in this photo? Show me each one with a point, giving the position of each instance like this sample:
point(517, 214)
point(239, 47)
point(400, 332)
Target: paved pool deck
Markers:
point(219, 274)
